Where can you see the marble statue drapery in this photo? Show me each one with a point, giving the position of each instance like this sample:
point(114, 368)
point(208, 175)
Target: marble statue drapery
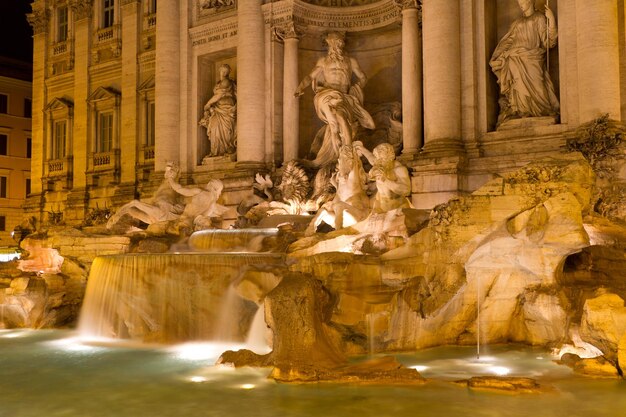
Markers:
point(220, 114)
point(519, 62)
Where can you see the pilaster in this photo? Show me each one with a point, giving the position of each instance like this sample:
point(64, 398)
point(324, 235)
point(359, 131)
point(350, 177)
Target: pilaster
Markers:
point(129, 116)
point(598, 59)
point(167, 85)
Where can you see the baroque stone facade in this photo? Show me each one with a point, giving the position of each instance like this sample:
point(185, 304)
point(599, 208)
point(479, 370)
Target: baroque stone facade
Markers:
point(119, 88)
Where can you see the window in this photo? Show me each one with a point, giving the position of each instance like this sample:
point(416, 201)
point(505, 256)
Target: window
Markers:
point(108, 14)
point(105, 132)
point(3, 223)
point(29, 148)
point(4, 144)
point(4, 104)
point(3, 187)
point(27, 186)
point(59, 140)
point(62, 24)
point(28, 108)
point(151, 124)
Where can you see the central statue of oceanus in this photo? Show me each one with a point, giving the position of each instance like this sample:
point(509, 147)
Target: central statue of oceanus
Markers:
point(338, 102)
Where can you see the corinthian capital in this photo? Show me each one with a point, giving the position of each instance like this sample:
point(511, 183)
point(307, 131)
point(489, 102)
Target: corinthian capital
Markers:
point(38, 19)
point(408, 4)
point(289, 30)
point(81, 8)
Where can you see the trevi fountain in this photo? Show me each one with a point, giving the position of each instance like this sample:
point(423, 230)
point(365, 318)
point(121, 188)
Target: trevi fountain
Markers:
point(329, 287)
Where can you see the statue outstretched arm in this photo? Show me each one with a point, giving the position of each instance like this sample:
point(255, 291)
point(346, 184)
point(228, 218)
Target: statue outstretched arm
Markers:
point(187, 192)
point(309, 79)
point(362, 150)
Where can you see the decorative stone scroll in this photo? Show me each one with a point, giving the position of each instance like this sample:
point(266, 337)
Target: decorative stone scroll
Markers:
point(38, 19)
point(81, 8)
point(408, 4)
point(216, 4)
point(288, 31)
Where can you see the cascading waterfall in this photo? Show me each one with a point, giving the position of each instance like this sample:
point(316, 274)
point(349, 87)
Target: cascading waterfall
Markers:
point(227, 240)
point(165, 297)
point(257, 336)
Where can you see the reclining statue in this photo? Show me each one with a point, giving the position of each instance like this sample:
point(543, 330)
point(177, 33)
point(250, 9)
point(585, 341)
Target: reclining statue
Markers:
point(202, 207)
point(165, 205)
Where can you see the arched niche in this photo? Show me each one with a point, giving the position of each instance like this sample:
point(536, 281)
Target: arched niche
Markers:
point(373, 37)
point(208, 76)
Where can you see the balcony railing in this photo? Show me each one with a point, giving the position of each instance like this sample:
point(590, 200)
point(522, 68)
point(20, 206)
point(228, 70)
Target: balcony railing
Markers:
point(104, 161)
point(59, 48)
point(56, 166)
point(60, 167)
point(149, 21)
point(106, 35)
point(148, 153)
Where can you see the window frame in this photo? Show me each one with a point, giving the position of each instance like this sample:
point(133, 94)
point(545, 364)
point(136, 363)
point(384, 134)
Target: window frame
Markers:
point(4, 186)
point(108, 13)
point(6, 144)
point(62, 27)
point(4, 105)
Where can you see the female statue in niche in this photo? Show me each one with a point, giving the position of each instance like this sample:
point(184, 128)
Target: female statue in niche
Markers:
point(220, 115)
point(519, 62)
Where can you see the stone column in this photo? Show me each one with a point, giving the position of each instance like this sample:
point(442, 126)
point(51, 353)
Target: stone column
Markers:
point(79, 146)
point(250, 82)
point(129, 117)
point(442, 74)
point(598, 59)
point(411, 78)
point(39, 21)
point(291, 104)
point(167, 87)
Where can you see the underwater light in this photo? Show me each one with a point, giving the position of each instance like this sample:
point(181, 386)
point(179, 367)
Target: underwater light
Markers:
point(201, 351)
point(73, 344)
point(198, 379)
point(247, 386)
point(12, 335)
point(500, 370)
point(419, 368)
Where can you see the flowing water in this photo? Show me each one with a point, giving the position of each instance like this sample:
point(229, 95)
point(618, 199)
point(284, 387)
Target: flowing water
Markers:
point(231, 240)
point(167, 297)
point(47, 373)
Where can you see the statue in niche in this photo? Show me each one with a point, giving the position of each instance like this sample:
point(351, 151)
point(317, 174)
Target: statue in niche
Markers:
point(350, 203)
point(220, 115)
point(203, 205)
point(338, 101)
point(519, 62)
point(393, 183)
point(166, 205)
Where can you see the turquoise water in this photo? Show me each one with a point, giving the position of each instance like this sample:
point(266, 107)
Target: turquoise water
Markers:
point(45, 374)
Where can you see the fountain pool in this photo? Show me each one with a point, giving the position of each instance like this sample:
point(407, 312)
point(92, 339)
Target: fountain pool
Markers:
point(49, 373)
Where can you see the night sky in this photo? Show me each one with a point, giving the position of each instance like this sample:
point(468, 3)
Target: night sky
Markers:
point(15, 32)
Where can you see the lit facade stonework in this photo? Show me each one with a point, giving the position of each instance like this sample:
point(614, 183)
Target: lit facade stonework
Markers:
point(15, 144)
point(120, 86)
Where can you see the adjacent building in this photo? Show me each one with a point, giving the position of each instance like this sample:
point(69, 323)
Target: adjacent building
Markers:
point(119, 88)
point(15, 144)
